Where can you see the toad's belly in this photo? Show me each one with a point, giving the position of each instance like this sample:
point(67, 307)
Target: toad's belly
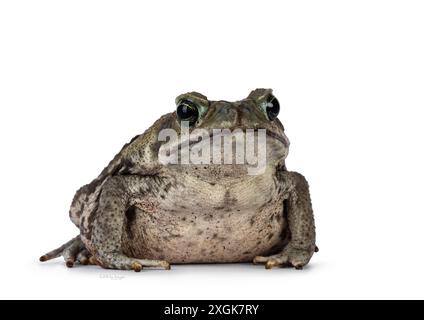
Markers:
point(203, 233)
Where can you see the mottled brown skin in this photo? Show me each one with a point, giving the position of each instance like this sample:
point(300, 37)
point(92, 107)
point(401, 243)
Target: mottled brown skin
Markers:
point(139, 213)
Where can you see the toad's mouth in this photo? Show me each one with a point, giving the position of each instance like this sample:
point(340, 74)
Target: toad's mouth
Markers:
point(250, 148)
point(212, 135)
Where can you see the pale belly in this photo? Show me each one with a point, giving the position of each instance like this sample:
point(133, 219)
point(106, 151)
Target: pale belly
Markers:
point(207, 223)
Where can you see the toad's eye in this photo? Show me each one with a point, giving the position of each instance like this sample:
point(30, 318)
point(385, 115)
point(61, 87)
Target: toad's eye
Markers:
point(187, 111)
point(272, 107)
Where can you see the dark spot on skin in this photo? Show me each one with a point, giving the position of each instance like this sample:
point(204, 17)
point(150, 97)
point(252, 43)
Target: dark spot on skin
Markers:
point(262, 207)
point(270, 236)
point(286, 209)
point(278, 191)
point(162, 196)
point(127, 167)
point(246, 252)
point(167, 187)
point(156, 146)
point(239, 117)
point(219, 208)
point(215, 236)
point(81, 210)
point(212, 183)
point(184, 219)
point(252, 221)
point(158, 250)
point(82, 223)
point(130, 215)
point(229, 201)
point(141, 153)
point(199, 233)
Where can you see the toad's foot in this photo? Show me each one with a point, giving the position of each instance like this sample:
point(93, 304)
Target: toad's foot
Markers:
point(122, 262)
point(289, 257)
point(72, 251)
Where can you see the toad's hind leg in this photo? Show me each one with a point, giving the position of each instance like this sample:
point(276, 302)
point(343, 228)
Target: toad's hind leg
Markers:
point(109, 224)
point(72, 251)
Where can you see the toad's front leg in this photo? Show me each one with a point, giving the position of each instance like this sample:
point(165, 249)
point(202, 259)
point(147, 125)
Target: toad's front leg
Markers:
point(108, 226)
point(301, 247)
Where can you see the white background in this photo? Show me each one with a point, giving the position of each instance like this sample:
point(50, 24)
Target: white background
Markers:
point(78, 79)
